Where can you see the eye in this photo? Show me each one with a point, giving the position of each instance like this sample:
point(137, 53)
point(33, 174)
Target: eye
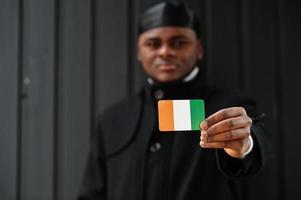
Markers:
point(153, 44)
point(178, 43)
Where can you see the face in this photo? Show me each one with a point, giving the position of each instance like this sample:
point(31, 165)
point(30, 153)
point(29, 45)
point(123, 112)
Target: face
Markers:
point(169, 53)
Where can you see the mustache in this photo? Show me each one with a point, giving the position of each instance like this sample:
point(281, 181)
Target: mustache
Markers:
point(159, 62)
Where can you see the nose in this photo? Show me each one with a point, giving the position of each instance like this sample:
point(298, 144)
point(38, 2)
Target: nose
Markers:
point(166, 51)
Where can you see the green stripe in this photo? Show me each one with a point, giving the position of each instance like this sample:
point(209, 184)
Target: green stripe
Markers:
point(197, 112)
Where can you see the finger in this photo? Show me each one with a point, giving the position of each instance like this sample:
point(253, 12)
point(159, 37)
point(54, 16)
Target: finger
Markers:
point(230, 135)
point(235, 145)
point(204, 135)
point(229, 124)
point(222, 115)
point(215, 145)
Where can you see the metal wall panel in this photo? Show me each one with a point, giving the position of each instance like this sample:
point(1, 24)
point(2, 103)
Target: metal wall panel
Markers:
point(136, 74)
point(290, 48)
point(225, 36)
point(111, 52)
point(38, 104)
point(74, 94)
point(9, 65)
point(259, 51)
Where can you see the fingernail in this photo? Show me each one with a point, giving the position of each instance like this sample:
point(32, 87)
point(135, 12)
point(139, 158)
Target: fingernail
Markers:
point(203, 125)
point(202, 144)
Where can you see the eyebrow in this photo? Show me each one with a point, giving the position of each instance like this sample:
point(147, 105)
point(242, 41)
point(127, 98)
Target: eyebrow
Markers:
point(179, 37)
point(175, 37)
point(153, 38)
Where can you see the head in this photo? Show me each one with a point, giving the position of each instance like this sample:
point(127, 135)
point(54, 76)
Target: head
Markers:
point(169, 44)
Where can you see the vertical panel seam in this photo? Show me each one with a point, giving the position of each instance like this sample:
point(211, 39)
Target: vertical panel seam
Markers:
point(20, 100)
point(129, 47)
point(279, 102)
point(92, 64)
point(56, 82)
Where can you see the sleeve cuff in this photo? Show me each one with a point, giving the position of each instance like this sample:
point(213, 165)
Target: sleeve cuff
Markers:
point(250, 148)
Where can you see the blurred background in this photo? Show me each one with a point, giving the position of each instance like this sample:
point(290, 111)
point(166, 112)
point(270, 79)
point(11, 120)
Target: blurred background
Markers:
point(64, 61)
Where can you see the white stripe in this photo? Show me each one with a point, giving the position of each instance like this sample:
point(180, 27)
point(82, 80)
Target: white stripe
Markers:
point(192, 74)
point(182, 119)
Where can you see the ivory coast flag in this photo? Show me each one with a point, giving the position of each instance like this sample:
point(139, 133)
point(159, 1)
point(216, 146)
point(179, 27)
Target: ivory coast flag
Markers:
point(180, 115)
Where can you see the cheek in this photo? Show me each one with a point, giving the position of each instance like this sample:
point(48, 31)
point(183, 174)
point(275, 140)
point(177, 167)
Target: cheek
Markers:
point(148, 57)
point(147, 60)
point(189, 58)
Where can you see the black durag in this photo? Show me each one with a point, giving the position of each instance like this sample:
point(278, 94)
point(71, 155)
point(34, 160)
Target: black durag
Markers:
point(169, 14)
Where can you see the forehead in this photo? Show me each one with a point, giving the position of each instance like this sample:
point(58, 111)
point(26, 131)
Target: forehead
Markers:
point(167, 33)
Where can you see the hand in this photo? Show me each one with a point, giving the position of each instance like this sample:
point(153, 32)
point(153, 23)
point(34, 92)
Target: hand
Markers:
point(229, 129)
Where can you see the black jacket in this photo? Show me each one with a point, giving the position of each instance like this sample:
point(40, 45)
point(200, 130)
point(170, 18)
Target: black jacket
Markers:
point(122, 155)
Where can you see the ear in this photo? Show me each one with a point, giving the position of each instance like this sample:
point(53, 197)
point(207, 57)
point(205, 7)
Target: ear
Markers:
point(200, 56)
point(200, 50)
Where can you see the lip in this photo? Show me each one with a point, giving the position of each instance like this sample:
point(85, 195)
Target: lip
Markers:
point(167, 67)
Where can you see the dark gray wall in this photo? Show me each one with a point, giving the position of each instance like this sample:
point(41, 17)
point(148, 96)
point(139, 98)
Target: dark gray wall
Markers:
point(64, 61)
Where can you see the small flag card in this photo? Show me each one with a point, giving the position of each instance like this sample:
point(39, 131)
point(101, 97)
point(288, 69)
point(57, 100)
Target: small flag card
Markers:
point(180, 115)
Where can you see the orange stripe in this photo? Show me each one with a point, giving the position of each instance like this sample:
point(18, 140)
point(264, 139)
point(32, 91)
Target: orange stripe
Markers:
point(165, 111)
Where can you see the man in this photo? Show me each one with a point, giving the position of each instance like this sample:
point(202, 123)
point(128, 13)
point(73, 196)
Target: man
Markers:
point(131, 159)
